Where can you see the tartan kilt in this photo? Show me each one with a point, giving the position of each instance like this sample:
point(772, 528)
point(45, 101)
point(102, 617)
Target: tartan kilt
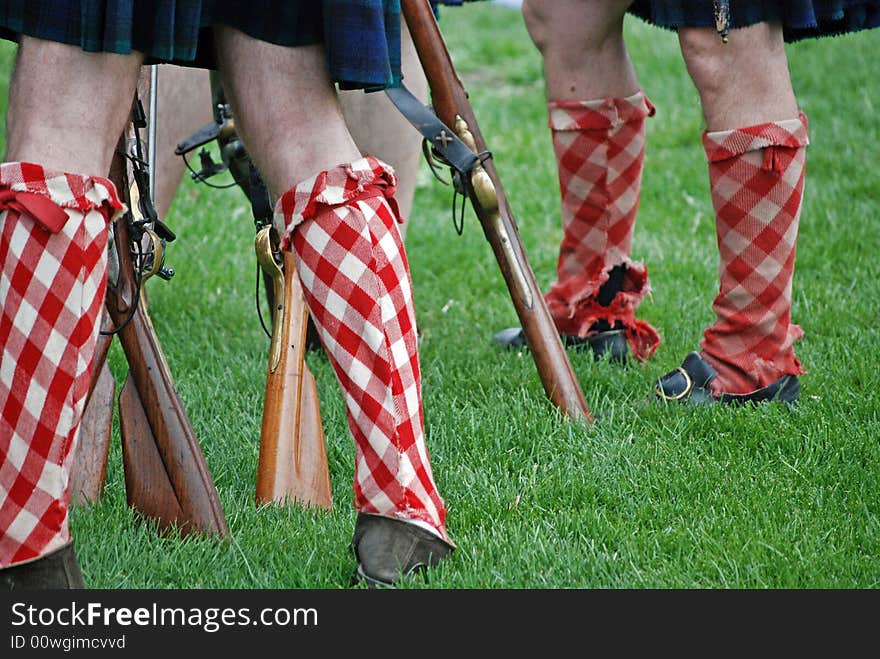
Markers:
point(801, 19)
point(361, 37)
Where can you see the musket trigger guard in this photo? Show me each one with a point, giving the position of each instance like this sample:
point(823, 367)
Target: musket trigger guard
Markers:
point(157, 252)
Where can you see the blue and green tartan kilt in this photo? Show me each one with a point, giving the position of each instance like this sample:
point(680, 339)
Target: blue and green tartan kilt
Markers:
point(361, 37)
point(800, 19)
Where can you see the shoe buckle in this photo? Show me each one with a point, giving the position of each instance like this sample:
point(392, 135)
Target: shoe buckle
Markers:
point(683, 394)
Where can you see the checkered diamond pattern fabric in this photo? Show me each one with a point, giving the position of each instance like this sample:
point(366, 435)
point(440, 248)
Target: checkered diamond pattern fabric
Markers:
point(600, 150)
point(757, 180)
point(341, 225)
point(53, 239)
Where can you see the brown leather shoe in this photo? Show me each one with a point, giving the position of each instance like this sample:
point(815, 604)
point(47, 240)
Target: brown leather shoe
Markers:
point(389, 549)
point(55, 571)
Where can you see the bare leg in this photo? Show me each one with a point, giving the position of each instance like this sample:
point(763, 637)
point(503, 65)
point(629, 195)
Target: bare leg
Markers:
point(67, 108)
point(380, 130)
point(313, 140)
point(752, 65)
point(339, 224)
point(755, 143)
point(375, 124)
point(184, 107)
point(581, 42)
point(67, 112)
point(597, 116)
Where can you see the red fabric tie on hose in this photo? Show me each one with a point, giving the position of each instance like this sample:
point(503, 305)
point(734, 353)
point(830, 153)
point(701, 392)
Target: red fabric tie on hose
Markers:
point(42, 209)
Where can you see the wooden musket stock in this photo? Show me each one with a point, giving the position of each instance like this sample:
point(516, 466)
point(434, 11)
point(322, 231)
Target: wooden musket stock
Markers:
point(292, 466)
point(166, 475)
point(88, 474)
point(450, 102)
point(293, 457)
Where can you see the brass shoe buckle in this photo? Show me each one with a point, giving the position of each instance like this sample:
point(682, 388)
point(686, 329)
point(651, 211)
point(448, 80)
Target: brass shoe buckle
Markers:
point(687, 390)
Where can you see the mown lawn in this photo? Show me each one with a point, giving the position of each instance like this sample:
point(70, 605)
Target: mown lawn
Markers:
point(650, 496)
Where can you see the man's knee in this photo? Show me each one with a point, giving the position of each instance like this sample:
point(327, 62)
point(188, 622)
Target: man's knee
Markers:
point(92, 90)
point(537, 20)
point(712, 64)
point(701, 50)
point(572, 24)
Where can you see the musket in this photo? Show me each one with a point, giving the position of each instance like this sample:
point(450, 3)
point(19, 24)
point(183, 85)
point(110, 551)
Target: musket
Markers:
point(293, 457)
point(292, 465)
point(452, 131)
point(88, 473)
point(166, 475)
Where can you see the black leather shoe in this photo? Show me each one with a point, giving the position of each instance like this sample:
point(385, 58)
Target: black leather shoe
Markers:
point(690, 383)
point(611, 342)
point(389, 549)
point(55, 571)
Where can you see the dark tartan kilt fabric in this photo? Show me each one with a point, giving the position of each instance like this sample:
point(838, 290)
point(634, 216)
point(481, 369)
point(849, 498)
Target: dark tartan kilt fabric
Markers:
point(361, 37)
point(800, 19)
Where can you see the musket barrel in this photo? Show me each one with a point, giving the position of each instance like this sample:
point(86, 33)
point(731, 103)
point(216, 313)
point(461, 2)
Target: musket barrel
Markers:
point(450, 101)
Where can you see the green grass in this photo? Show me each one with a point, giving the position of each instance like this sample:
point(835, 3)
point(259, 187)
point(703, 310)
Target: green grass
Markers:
point(650, 496)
